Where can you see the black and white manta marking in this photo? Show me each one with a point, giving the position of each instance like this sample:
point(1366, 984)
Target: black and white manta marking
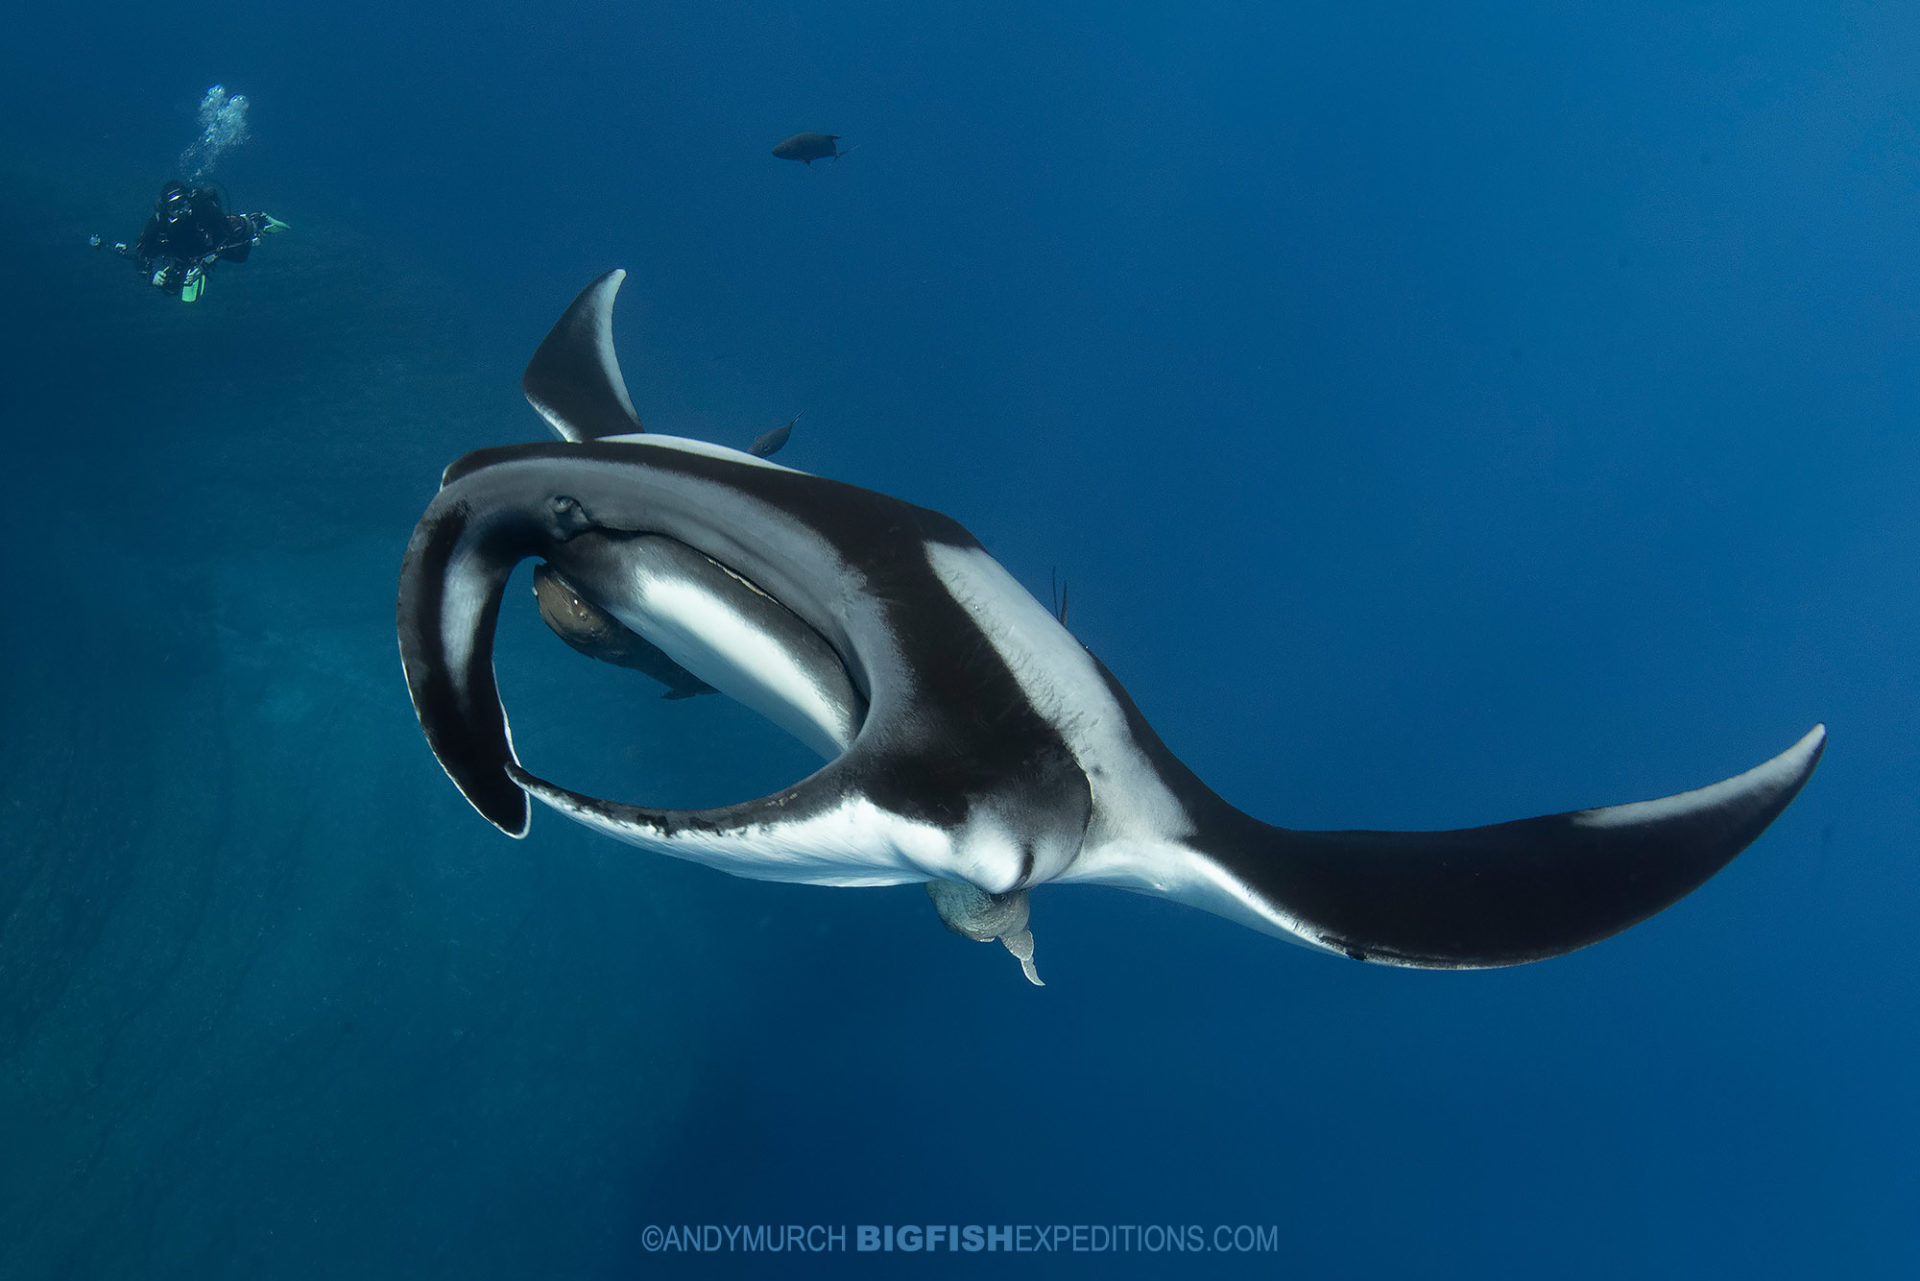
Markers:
point(970, 742)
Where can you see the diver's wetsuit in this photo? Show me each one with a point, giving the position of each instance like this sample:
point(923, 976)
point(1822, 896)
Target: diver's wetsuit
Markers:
point(189, 229)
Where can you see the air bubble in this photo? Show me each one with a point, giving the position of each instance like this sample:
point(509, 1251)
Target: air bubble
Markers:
point(223, 125)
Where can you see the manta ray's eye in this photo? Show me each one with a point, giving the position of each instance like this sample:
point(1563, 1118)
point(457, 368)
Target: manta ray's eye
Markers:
point(569, 518)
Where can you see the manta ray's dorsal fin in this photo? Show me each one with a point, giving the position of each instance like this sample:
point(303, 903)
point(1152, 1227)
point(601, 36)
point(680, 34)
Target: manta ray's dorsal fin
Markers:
point(574, 378)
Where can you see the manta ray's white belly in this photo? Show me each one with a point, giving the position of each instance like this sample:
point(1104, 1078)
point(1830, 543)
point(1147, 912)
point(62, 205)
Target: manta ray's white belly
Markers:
point(736, 639)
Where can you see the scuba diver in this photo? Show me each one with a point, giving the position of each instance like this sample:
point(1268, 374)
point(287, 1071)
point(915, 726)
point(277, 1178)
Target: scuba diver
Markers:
point(188, 233)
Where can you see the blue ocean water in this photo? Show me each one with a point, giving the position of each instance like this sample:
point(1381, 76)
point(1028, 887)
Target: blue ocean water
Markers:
point(1441, 417)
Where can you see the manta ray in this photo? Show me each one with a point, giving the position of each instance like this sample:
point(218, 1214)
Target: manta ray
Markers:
point(970, 742)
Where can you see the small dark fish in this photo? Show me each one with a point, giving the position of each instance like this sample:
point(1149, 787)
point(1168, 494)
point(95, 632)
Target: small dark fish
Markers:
point(598, 634)
point(809, 147)
point(768, 443)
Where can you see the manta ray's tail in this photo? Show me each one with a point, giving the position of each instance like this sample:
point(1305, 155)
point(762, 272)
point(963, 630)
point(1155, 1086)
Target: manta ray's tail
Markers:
point(1500, 895)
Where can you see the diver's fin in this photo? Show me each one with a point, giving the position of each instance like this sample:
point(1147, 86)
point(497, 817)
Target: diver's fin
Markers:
point(1484, 896)
point(574, 379)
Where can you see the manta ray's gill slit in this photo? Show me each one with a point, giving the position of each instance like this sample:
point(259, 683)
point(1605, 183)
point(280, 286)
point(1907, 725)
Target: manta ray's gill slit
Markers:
point(605, 730)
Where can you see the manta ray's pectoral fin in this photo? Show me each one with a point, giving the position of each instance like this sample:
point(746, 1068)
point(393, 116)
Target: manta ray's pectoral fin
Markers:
point(1492, 896)
point(451, 585)
point(822, 830)
point(973, 913)
point(574, 378)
